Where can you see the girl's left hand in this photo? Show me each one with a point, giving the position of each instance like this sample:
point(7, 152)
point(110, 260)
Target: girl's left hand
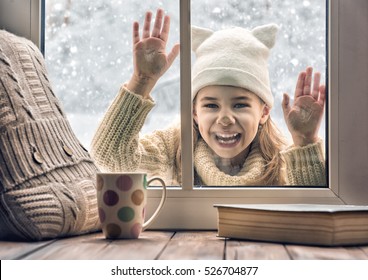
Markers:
point(304, 117)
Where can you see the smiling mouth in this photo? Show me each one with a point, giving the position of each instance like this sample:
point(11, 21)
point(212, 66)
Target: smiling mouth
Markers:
point(227, 139)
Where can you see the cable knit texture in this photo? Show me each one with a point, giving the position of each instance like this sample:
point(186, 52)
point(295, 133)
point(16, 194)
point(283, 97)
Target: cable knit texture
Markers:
point(117, 146)
point(47, 178)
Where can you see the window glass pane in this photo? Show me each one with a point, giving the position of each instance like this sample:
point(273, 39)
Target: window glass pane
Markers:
point(300, 42)
point(89, 56)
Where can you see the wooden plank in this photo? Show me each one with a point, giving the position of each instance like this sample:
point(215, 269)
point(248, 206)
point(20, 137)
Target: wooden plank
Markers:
point(64, 248)
point(297, 252)
point(96, 247)
point(245, 250)
point(16, 250)
point(194, 245)
point(148, 247)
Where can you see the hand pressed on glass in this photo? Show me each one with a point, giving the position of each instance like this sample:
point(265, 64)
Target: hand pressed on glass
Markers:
point(305, 115)
point(149, 53)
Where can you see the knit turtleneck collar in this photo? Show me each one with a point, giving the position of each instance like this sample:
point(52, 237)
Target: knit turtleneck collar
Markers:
point(211, 175)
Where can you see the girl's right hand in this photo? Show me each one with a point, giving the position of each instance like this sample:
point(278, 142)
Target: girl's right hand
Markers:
point(149, 53)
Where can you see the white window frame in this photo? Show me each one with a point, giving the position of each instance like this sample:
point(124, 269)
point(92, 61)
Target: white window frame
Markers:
point(192, 208)
point(24, 18)
point(347, 156)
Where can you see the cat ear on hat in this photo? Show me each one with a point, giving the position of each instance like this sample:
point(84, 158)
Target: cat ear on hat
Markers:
point(266, 34)
point(199, 35)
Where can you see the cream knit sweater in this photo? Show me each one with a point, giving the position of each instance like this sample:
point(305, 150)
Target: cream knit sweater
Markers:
point(117, 146)
point(47, 179)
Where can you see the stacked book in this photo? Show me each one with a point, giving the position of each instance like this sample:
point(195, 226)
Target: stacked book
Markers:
point(312, 224)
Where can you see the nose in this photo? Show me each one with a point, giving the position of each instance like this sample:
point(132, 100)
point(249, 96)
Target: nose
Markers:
point(226, 119)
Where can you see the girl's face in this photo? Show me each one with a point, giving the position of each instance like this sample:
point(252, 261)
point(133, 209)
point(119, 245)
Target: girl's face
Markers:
point(228, 118)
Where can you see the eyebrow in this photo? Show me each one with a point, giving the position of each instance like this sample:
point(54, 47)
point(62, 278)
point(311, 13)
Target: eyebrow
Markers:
point(241, 98)
point(209, 98)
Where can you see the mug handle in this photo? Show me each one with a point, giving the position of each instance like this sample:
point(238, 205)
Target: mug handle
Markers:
point(163, 199)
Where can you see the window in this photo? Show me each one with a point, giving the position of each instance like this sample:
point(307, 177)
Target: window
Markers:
point(89, 54)
point(347, 154)
point(301, 40)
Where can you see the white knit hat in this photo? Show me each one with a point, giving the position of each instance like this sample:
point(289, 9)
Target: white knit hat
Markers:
point(233, 57)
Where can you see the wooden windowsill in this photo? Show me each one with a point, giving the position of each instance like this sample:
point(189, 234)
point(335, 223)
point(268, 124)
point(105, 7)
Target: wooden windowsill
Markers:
point(170, 245)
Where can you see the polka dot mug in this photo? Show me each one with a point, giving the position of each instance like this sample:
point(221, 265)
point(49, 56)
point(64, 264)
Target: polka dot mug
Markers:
point(122, 199)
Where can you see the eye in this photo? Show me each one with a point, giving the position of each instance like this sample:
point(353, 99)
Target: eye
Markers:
point(210, 105)
point(241, 105)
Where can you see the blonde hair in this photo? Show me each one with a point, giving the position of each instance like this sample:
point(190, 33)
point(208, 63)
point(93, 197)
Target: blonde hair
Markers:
point(271, 142)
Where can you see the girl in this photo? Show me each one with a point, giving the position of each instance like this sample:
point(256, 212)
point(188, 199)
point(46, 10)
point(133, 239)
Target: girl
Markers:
point(236, 142)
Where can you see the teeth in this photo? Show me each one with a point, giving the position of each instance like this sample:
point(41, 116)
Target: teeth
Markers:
point(226, 135)
point(227, 138)
point(227, 141)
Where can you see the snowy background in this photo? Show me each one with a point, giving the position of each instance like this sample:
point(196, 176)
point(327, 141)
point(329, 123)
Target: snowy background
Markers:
point(89, 51)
